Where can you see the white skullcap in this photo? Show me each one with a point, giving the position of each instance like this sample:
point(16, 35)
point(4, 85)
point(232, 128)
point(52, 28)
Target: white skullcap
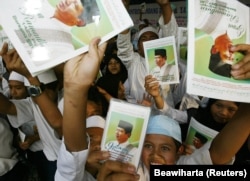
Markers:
point(45, 77)
point(95, 121)
point(148, 29)
point(164, 125)
point(16, 76)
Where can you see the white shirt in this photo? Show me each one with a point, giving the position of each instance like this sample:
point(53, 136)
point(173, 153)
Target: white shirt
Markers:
point(71, 166)
point(28, 130)
point(166, 73)
point(28, 110)
point(135, 64)
point(8, 154)
point(199, 157)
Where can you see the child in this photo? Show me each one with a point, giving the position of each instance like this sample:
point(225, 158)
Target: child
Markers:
point(79, 74)
point(162, 145)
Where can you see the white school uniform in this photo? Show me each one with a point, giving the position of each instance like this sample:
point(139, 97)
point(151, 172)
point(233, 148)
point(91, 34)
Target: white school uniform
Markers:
point(8, 154)
point(27, 110)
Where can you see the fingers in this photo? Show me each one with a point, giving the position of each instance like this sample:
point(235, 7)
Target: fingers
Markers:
point(150, 80)
point(114, 170)
point(116, 166)
point(153, 85)
point(242, 73)
point(93, 45)
point(188, 150)
point(241, 70)
point(240, 48)
point(243, 61)
point(11, 59)
point(120, 177)
point(102, 49)
point(95, 49)
point(96, 156)
point(4, 49)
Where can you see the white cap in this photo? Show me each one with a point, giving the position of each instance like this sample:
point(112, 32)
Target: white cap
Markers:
point(164, 125)
point(148, 29)
point(16, 76)
point(95, 121)
point(45, 77)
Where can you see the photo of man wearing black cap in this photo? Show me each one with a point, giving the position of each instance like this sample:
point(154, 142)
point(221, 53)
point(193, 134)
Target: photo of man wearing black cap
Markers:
point(121, 149)
point(163, 71)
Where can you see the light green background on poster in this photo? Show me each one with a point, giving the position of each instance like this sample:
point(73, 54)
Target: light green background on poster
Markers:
point(137, 127)
point(102, 28)
point(170, 55)
point(203, 44)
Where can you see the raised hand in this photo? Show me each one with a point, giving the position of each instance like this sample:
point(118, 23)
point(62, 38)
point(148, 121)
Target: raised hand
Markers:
point(115, 170)
point(85, 67)
point(152, 86)
point(79, 74)
point(13, 61)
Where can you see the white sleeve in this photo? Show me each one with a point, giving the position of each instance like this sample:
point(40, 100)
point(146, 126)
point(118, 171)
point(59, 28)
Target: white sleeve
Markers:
point(200, 157)
point(71, 165)
point(24, 113)
point(170, 29)
point(178, 115)
point(125, 49)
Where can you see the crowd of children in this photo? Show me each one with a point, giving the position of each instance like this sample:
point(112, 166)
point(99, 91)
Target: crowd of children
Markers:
point(64, 118)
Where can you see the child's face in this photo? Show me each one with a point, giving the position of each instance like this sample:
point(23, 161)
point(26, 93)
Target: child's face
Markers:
point(95, 134)
point(222, 111)
point(114, 66)
point(159, 150)
point(17, 89)
point(147, 36)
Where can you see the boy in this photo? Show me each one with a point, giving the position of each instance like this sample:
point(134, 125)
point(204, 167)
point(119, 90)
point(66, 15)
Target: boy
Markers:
point(162, 145)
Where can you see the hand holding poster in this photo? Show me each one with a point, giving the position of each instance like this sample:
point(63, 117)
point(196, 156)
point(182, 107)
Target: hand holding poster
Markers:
point(124, 133)
point(214, 27)
point(162, 60)
point(198, 134)
point(49, 32)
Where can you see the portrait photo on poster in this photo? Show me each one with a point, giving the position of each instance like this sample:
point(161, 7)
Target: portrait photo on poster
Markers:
point(162, 60)
point(124, 131)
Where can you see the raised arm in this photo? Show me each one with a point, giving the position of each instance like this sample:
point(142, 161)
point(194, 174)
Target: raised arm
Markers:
point(166, 9)
point(79, 74)
point(47, 106)
point(6, 106)
point(152, 88)
point(230, 139)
